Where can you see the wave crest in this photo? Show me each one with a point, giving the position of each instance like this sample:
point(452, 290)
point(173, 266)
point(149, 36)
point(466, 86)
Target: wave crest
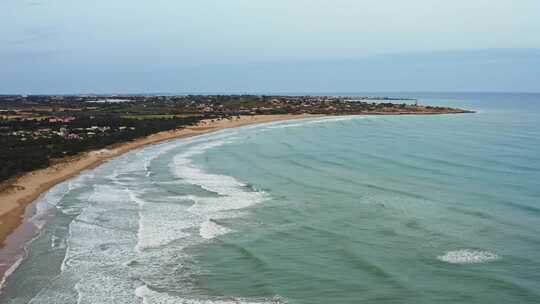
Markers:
point(468, 256)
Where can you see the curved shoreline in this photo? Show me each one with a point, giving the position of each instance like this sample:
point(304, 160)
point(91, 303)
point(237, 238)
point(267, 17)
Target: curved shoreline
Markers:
point(20, 195)
point(27, 188)
point(20, 192)
point(18, 200)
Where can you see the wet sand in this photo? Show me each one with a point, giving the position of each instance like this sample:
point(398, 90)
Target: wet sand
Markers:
point(22, 191)
point(16, 199)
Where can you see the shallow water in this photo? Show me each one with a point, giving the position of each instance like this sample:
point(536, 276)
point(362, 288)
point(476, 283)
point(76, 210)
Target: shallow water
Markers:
point(379, 209)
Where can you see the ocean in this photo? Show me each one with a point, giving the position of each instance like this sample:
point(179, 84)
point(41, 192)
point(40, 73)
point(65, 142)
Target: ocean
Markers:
point(361, 209)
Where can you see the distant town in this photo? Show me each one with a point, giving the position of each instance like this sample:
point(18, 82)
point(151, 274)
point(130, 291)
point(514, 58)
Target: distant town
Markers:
point(36, 130)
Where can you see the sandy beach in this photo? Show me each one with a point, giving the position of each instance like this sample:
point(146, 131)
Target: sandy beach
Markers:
point(27, 188)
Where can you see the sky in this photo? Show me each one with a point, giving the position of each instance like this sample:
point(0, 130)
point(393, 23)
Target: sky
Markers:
point(263, 46)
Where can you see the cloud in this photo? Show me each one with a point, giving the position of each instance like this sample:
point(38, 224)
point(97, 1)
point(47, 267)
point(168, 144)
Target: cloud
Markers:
point(35, 3)
point(29, 37)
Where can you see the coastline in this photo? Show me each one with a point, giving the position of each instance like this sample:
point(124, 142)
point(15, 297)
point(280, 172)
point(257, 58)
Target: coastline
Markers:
point(20, 192)
point(25, 189)
point(19, 197)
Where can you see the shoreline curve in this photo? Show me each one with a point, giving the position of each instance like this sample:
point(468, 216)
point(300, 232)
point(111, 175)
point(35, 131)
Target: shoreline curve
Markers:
point(17, 199)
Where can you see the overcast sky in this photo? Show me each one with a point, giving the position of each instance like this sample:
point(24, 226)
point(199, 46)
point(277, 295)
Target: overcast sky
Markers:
point(71, 46)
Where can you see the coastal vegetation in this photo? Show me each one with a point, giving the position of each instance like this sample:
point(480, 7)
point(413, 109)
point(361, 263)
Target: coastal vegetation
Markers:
point(38, 130)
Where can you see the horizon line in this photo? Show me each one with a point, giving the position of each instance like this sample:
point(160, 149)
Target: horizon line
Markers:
point(260, 93)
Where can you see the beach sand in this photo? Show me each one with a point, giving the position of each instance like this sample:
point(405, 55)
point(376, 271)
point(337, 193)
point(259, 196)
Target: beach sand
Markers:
point(22, 191)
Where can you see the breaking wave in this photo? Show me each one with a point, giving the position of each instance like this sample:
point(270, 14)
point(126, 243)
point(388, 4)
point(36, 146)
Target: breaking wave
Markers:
point(150, 296)
point(468, 256)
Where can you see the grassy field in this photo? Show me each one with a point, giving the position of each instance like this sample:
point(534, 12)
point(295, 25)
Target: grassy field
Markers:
point(157, 116)
point(23, 117)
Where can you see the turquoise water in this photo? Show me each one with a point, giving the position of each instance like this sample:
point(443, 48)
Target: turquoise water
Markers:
point(378, 209)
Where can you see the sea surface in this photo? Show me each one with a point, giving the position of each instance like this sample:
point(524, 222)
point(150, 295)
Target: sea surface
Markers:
point(364, 209)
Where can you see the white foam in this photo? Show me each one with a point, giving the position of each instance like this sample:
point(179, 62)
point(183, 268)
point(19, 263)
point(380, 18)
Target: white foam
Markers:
point(52, 198)
point(104, 289)
point(153, 297)
point(468, 256)
point(10, 270)
point(160, 224)
point(308, 122)
point(231, 193)
point(289, 125)
point(43, 205)
point(99, 243)
point(209, 230)
point(57, 242)
point(119, 222)
point(96, 226)
point(234, 201)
